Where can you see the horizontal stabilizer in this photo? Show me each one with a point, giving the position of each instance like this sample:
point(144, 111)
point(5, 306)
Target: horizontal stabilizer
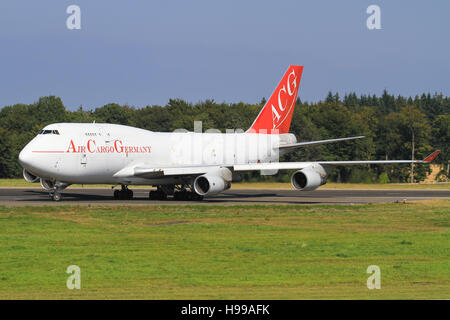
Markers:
point(432, 156)
point(317, 142)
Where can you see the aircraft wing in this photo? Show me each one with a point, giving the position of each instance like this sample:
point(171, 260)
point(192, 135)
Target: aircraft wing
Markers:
point(150, 172)
point(301, 165)
point(317, 142)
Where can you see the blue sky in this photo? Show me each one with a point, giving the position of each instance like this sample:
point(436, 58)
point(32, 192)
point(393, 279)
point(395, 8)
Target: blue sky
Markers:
point(145, 52)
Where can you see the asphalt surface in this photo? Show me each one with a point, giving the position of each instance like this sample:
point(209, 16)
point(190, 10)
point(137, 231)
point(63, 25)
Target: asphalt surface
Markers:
point(86, 196)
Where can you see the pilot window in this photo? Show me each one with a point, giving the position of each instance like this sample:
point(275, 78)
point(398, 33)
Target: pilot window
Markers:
point(49, 132)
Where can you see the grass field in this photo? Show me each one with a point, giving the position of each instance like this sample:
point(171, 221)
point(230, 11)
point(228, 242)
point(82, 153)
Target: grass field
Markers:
point(260, 185)
point(236, 252)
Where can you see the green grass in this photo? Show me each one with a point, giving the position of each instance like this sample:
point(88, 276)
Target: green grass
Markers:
point(21, 183)
point(226, 252)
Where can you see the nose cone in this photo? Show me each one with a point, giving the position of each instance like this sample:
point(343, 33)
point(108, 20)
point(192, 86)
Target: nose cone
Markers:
point(25, 157)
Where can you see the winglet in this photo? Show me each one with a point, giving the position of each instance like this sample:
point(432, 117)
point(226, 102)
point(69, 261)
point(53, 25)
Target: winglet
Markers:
point(431, 156)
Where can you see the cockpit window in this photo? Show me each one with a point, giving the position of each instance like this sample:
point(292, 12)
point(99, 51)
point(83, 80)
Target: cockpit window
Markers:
point(49, 132)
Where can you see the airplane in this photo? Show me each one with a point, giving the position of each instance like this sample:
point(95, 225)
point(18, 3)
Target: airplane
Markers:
point(183, 165)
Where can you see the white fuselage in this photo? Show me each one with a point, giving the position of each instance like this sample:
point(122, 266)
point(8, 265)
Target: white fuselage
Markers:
point(88, 153)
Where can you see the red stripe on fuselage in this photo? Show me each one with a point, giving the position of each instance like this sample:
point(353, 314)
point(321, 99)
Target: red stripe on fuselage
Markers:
point(49, 151)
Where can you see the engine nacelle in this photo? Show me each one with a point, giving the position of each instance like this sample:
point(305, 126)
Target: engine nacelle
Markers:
point(210, 184)
point(310, 178)
point(47, 185)
point(29, 177)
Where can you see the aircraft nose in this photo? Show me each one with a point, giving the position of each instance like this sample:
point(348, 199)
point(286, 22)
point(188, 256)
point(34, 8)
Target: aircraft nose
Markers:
point(25, 157)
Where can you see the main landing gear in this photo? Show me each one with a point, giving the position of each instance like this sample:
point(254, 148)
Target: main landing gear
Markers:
point(123, 194)
point(187, 196)
point(180, 193)
point(158, 194)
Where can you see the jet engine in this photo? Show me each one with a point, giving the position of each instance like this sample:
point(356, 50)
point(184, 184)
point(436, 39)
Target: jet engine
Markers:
point(310, 178)
point(47, 185)
point(29, 177)
point(210, 184)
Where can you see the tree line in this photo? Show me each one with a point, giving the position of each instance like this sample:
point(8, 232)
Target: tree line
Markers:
point(388, 122)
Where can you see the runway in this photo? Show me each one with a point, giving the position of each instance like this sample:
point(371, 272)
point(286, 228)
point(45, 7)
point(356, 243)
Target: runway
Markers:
point(94, 196)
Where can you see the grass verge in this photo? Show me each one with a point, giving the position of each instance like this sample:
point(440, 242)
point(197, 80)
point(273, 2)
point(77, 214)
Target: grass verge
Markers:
point(226, 252)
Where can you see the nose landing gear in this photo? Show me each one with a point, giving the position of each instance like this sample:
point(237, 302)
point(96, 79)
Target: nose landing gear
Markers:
point(55, 191)
point(123, 194)
point(56, 196)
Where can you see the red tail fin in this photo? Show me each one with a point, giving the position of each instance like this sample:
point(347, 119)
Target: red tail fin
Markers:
point(277, 112)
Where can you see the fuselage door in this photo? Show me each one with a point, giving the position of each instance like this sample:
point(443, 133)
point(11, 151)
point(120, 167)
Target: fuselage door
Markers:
point(83, 159)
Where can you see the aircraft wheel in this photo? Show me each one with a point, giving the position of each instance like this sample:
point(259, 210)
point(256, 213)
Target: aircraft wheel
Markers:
point(187, 196)
point(123, 194)
point(196, 197)
point(162, 196)
point(153, 195)
point(180, 196)
point(157, 195)
point(56, 196)
point(129, 194)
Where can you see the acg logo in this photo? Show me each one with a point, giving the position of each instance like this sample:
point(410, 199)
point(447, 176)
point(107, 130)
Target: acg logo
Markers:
point(286, 95)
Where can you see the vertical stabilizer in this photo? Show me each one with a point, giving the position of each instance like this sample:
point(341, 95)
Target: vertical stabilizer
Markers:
point(277, 112)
